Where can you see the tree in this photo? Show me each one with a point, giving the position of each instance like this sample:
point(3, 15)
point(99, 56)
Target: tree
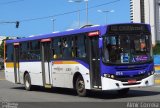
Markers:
point(156, 49)
point(2, 48)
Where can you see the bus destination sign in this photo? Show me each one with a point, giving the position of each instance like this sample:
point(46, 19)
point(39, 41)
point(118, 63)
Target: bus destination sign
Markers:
point(123, 28)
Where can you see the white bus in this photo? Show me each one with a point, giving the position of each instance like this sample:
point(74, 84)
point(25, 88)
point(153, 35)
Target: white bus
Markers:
point(110, 57)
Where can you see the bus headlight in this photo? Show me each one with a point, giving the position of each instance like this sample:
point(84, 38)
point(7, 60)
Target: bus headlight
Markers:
point(105, 75)
point(109, 76)
point(152, 72)
point(112, 76)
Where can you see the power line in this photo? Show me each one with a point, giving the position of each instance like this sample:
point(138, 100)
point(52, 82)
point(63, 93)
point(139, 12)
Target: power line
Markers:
point(10, 2)
point(65, 13)
point(16, 22)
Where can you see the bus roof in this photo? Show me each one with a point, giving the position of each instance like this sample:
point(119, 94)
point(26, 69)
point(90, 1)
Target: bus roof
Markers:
point(102, 29)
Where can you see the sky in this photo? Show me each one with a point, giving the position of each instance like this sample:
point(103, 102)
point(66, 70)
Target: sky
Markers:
point(26, 10)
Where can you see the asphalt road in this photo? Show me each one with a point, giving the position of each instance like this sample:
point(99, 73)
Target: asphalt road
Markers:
point(10, 92)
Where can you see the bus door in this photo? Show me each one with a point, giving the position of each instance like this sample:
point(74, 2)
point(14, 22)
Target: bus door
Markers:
point(94, 58)
point(16, 62)
point(46, 62)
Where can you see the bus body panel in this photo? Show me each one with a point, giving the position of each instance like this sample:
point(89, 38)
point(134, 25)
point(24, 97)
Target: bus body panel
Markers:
point(34, 70)
point(111, 84)
point(60, 72)
point(64, 71)
point(9, 72)
point(48, 70)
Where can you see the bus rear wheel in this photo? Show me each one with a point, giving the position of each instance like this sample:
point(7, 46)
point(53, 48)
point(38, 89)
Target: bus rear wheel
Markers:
point(80, 86)
point(123, 91)
point(27, 82)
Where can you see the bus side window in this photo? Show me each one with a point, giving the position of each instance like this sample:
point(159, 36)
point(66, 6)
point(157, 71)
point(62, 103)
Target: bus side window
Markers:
point(9, 57)
point(73, 47)
point(67, 44)
point(81, 46)
point(35, 50)
point(56, 48)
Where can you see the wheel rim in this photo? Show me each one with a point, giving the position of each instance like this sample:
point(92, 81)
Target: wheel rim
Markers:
point(80, 86)
point(27, 84)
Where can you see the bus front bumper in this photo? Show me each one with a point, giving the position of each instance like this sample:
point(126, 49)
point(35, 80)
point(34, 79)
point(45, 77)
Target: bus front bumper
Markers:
point(111, 84)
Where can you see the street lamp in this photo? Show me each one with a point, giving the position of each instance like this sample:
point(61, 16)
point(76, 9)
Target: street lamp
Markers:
point(77, 1)
point(86, 11)
point(53, 20)
point(106, 12)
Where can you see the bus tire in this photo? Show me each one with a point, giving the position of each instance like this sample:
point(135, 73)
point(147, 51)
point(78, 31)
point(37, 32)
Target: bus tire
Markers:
point(27, 82)
point(80, 86)
point(123, 91)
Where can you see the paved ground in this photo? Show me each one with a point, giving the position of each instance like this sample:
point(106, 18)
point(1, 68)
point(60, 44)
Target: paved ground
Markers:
point(2, 76)
point(10, 92)
point(16, 93)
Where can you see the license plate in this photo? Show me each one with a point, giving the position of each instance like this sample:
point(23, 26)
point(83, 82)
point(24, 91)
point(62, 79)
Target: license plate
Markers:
point(132, 81)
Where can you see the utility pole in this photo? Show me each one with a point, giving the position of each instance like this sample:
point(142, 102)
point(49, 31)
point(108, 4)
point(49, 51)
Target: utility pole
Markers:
point(53, 20)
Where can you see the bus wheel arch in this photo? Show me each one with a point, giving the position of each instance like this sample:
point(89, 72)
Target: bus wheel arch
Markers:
point(79, 84)
point(75, 78)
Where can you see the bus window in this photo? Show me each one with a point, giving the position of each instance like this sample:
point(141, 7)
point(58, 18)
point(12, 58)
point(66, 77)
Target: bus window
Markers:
point(30, 50)
point(24, 51)
point(81, 50)
point(73, 47)
point(56, 48)
point(67, 47)
point(34, 50)
point(9, 55)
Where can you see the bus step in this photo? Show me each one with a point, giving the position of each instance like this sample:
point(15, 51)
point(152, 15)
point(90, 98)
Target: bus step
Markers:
point(97, 88)
point(48, 86)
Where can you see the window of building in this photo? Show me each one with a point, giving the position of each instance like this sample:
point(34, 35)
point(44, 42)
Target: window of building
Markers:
point(142, 11)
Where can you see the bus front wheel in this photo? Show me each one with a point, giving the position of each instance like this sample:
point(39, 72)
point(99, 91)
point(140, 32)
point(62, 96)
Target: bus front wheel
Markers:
point(27, 82)
point(80, 86)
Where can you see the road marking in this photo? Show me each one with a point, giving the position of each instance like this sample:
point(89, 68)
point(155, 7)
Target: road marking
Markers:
point(2, 79)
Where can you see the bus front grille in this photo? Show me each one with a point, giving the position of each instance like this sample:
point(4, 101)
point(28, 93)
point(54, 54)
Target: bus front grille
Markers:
point(128, 68)
point(135, 77)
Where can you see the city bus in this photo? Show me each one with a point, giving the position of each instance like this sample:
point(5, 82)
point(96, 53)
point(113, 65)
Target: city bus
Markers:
point(109, 57)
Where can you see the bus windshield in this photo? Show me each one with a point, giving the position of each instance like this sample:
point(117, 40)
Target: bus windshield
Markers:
point(126, 49)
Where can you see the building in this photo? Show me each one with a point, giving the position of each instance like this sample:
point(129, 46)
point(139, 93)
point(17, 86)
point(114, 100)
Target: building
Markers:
point(147, 11)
